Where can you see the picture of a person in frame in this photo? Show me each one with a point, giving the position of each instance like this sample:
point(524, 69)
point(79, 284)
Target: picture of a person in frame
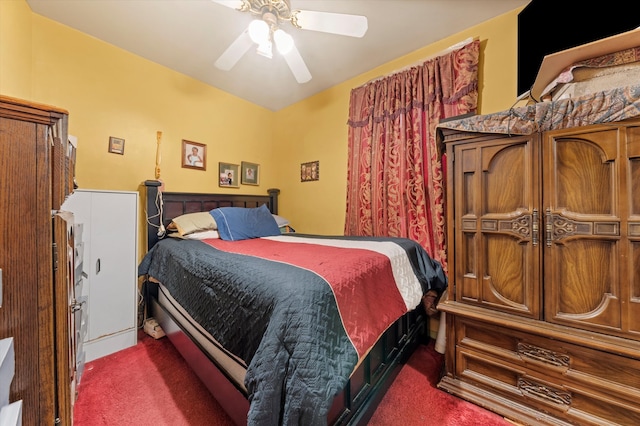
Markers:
point(194, 159)
point(226, 178)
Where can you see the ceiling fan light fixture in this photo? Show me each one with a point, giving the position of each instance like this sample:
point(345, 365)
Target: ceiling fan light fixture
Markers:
point(259, 31)
point(284, 41)
point(264, 31)
point(265, 49)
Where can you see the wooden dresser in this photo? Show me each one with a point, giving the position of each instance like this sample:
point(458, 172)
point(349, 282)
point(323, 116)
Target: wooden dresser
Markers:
point(36, 259)
point(543, 307)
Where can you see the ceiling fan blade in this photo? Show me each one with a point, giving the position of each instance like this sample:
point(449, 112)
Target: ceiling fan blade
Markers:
point(234, 52)
point(334, 23)
point(233, 4)
point(297, 65)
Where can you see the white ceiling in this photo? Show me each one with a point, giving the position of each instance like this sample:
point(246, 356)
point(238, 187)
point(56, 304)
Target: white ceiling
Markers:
point(189, 35)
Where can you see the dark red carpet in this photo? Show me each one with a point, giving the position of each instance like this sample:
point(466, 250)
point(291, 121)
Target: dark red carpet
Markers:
point(150, 384)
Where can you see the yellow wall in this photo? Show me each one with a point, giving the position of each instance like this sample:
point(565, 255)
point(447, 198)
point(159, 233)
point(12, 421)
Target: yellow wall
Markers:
point(15, 49)
point(110, 92)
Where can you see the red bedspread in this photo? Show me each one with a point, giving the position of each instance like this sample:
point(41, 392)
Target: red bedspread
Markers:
point(360, 274)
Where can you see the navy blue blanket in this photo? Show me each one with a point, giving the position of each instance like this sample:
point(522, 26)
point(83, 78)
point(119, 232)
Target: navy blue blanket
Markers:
point(283, 320)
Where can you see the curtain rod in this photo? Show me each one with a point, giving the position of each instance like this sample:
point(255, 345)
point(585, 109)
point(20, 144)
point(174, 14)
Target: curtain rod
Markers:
point(435, 55)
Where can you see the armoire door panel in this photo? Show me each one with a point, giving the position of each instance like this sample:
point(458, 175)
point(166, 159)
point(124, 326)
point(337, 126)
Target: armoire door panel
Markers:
point(506, 175)
point(581, 262)
point(469, 204)
point(633, 161)
point(467, 267)
point(588, 292)
point(504, 274)
point(633, 227)
point(582, 226)
point(584, 170)
point(633, 316)
point(506, 228)
point(496, 210)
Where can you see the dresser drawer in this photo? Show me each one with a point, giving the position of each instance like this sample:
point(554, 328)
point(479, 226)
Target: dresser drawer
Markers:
point(575, 383)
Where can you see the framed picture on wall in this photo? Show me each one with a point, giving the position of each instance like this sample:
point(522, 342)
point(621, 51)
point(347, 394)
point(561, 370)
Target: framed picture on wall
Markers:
point(310, 171)
point(228, 175)
point(250, 173)
point(116, 145)
point(194, 155)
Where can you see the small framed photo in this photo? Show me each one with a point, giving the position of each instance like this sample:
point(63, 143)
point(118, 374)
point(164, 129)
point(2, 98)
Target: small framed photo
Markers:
point(194, 155)
point(250, 173)
point(116, 145)
point(310, 171)
point(228, 175)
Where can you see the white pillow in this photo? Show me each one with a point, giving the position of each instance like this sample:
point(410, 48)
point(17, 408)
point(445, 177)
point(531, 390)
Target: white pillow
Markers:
point(201, 235)
point(281, 221)
point(193, 222)
point(212, 233)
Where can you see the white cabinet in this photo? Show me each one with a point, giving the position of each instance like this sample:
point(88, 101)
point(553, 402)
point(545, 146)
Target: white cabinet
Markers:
point(110, 256)
point(7, 368)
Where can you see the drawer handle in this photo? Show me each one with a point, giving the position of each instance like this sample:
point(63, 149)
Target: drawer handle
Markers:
point(549, 227)
point(541, 391)
point(536, 227)
point(543, 355)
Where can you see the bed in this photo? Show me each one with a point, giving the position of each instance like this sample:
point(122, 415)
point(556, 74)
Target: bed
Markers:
point(262, 357)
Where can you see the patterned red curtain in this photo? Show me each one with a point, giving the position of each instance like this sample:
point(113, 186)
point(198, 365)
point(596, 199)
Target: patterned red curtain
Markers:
point(395, 181)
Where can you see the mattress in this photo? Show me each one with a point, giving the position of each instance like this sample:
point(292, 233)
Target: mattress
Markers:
point(231, 366)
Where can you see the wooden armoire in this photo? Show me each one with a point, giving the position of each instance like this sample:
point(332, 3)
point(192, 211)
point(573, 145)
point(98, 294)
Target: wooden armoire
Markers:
point(543, 307)
point(36, 259)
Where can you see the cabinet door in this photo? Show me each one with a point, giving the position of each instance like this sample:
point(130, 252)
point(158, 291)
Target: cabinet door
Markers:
point(586, 218)
point(113, 288)
point(632, 192)
point(64, 325)
point(34, 306)
point(496, 215)
point(28, 304)
point(109, 220)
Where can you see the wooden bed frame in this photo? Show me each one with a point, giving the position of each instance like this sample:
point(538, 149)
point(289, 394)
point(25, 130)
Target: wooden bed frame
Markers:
point(367, 385)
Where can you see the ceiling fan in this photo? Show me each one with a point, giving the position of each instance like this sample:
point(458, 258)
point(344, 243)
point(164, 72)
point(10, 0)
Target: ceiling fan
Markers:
point(265, 31)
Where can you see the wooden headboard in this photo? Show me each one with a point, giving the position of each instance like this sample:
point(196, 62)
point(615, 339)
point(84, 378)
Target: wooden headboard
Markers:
point(174, 204)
